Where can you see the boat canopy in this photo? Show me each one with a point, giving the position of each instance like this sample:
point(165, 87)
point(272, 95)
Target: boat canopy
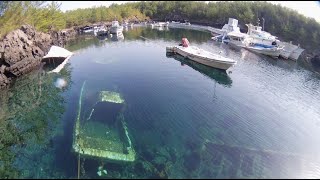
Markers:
point(56, 52)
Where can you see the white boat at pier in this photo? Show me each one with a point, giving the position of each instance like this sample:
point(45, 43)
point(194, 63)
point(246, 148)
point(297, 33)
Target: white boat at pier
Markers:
point(115, 27)
point(273, 51)
point(256, 36)
point(243, 40)
point(289, 50)
point(100, 31)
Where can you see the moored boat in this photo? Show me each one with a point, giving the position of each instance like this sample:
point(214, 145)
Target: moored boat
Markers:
point(115, 27)
point(257, 36)
point(100, 31)
point(201, 56)
point(273, 51)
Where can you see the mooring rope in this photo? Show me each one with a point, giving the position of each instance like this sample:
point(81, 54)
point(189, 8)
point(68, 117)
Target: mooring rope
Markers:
point(78, 119)
point(79, 165)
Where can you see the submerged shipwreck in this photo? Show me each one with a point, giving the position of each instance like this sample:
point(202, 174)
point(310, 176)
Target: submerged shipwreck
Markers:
point(100, 129)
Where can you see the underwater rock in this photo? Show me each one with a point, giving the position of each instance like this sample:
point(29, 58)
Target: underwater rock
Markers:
point(192, 161)
point(173, 155)
point(315, 62)
point(160, 160)
point(147, 155)
point(192, 145)
point(138, 167)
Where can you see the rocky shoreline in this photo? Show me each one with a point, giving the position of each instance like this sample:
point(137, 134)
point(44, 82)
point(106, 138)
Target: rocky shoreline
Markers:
point(21, 50)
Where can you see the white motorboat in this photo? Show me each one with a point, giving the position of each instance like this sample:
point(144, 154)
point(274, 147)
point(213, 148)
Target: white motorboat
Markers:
point(273, 51)
point(289, 51)
point(235, 38)
point(257, 36)
point(115, 27)
point(239, 39)
point(201, 56)
point(187, 23)
point(161, 24)
point(232, 26)
point(87, 29)
point(100, 31)
point(125, 24)
point(116, 36)
point(179, 24)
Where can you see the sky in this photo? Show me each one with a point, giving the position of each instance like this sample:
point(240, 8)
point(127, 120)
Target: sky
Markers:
point(307, 8)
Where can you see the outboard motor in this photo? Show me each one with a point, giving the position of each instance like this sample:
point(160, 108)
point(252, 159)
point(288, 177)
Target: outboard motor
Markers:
point(185, 42)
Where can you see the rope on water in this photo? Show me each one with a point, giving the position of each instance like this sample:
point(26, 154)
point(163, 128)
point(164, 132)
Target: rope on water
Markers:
point(78, 119)
point(79, 165)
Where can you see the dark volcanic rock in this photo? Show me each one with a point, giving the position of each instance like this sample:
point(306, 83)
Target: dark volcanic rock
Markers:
point(316, 61)
point(61, 37)
point(22, 50)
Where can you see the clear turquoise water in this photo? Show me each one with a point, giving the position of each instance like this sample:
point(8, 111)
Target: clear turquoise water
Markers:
point(185, 120)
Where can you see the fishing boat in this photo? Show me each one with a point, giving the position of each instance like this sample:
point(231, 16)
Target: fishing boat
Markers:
point(100, 128)
point(201, 56)
point(100, 31)
point(273, 51)
point(289, 51)
point(87, 29)
point(235, 38)
point(232, 26)
point(257, 36)
point(115, 27)
point(116, 37)
point(221, 38)
point(161, 24)
point(125, 24)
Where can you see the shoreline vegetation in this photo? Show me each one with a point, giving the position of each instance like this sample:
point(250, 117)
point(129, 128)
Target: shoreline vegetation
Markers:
point(280, 21)
point(46, 17)
point(22, 47)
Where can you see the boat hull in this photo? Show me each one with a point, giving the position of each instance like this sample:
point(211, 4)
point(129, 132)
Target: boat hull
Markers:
point(268, 52)
point(202, 60)
point(116, 29)
point(89, 138)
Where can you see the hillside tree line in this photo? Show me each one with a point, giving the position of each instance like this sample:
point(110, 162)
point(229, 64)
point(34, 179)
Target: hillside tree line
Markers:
point(280, 21)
